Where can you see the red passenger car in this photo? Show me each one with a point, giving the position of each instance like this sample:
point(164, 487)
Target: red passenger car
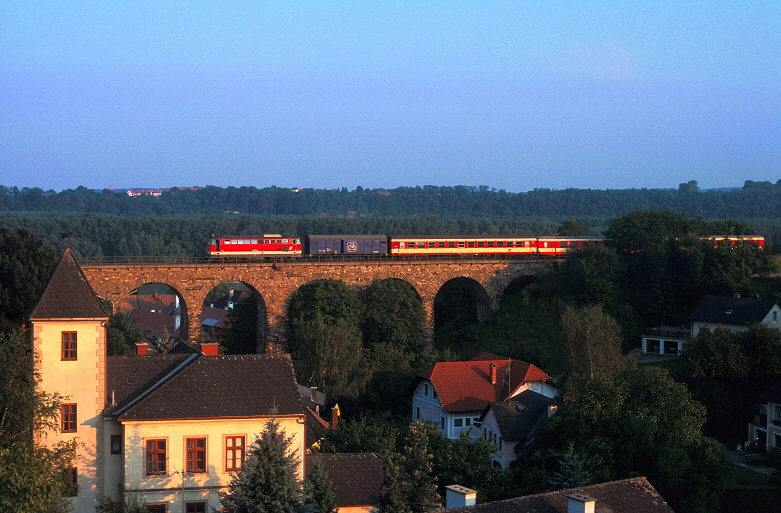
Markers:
point(267, 245)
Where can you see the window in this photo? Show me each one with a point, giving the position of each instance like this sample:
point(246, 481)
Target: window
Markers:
point(195, 507)
point(68, 418)
point(154, 508)
point(116, 444)
point(68, 345)
point(417, 412)
point(196, 455)
point(442, 423)
point(234, 452)
point(777, 412)
point(777, 440)
point(458, 422)
point(470, 244)
point(467, 422)
point(425, 390)
point(155, 457)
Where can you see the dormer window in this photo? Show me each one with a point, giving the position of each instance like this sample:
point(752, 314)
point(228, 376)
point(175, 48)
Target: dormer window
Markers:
point(729, 312)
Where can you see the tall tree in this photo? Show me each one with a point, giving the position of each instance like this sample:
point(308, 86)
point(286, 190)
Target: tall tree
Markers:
point(33, 477)
point(333, 354)
point(392, 314)
point(594, 341)
point(241, 337)
point(26, 263)
point(416, 460)
point(268, 479)
point(392, 497)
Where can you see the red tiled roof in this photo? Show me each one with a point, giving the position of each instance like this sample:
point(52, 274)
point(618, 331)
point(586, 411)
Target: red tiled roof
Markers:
point(357, 477)
point(466, 386)
point(635, 495)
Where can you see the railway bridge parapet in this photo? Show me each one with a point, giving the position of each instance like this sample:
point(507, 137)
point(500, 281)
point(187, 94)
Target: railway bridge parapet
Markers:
point(276, 283)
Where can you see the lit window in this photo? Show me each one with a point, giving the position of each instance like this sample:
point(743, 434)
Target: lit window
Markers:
point(196, 455)
point(68, 345)
point(68, 418)
point(155, 457)
point(234, 452)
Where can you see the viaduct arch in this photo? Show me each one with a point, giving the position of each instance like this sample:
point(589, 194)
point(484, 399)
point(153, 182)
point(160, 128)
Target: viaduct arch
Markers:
point(277, 283)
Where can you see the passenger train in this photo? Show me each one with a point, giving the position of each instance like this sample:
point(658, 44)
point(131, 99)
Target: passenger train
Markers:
point(275, 246)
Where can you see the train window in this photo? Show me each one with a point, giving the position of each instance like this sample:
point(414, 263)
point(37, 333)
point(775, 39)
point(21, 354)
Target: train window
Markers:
point(460, 244)
point(451, 244)
point(481, 244)
point(440, 244)
point(422, 245)
point(470, 244)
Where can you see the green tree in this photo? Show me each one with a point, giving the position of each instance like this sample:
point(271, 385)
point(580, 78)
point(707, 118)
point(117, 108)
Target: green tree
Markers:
point(330, 299)
point(333, 355)
point(26, 263)
point(392, 492)
point(33, 478)
point(726, 371)
point(417, 465)
point(570, 228)
point(594, 342)
point(570, 473)
point(123, 333)
point(641, 422)
point(392, 314)
point(267, 481)
point(369, 433)
point(319, 490)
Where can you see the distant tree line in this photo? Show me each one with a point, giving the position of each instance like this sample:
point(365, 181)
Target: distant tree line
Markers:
point(753, 200)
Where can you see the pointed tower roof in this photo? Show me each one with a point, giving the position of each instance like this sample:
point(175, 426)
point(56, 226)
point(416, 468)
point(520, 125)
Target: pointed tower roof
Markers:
point(68, 294)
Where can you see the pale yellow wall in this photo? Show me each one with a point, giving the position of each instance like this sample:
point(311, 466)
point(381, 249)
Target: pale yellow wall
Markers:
point(175, 484)
point(82, 382)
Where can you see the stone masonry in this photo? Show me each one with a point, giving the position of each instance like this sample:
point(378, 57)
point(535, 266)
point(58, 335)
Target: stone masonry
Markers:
point(275, 284)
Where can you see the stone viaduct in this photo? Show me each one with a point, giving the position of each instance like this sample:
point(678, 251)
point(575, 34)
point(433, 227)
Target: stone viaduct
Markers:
point(274, 284)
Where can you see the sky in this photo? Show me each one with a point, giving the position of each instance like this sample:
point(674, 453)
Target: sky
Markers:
point(515, 95)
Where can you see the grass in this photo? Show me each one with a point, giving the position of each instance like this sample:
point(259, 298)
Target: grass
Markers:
point(671, 365)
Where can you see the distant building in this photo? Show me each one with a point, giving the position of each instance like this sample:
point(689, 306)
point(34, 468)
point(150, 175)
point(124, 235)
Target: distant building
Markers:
point(733, 313)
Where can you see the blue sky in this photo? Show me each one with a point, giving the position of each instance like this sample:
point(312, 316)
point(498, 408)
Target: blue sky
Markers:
point(514, 95)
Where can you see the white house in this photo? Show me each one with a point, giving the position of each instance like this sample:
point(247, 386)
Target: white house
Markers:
point(733, 313)
point(453, 395)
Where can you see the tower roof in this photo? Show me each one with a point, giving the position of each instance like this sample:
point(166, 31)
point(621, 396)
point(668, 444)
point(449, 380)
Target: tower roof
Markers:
point(67, 294)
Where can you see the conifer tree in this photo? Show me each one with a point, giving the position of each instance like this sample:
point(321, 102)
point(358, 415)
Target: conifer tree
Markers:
point(570, 473)
point(319, 490)
point(267, 481)
point(422, 490)
point(392, 491)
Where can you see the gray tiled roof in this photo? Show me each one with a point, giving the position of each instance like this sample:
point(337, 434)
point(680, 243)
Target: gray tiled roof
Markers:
point(198, 386)
point(518, 418)
point(357, 477)
point(67, 294)
point(731, 310)
point(634, 495)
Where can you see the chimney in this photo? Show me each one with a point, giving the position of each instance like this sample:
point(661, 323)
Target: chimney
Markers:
point(492, 368)
point(210, 348)
point(579, 503)
point(552, 410)
point(142, 348)
point(335, 416)
point(313, 394)
point(457, 496)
